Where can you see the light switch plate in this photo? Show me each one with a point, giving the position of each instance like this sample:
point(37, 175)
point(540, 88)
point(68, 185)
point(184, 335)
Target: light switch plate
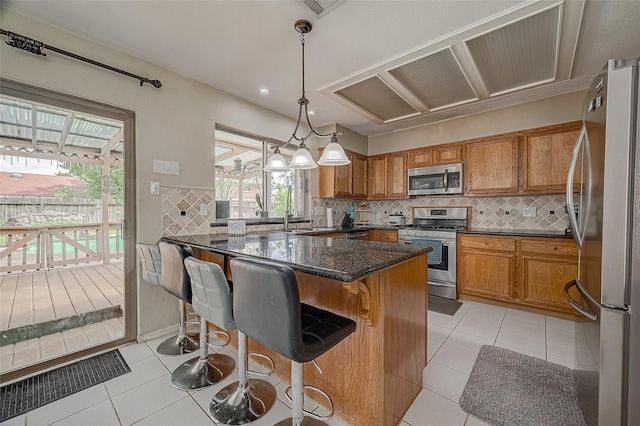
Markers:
point(529, 212)
point(318, 211)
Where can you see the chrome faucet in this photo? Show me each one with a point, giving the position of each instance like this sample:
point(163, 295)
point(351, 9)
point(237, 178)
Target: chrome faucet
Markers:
point(287, 210)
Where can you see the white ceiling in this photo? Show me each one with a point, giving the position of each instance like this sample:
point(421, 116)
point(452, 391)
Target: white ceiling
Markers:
point(242, 46)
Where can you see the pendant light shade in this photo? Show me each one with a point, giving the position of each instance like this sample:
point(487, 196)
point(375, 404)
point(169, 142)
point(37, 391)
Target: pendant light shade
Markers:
point(277, 163)
point(302, 159)
point(333, 154)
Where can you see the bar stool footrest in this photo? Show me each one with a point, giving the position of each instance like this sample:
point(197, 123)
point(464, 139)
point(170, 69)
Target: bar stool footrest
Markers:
point(309, 413)
point(219, 332)
point(263, 356)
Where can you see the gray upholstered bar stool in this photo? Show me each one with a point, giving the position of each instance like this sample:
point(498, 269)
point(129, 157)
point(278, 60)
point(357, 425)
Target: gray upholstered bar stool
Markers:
point(151, 262)
point(175, 280)
point(267, 308)
point(211, 299)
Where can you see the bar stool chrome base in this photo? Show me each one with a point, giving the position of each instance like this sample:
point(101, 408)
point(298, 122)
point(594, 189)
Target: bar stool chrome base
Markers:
point(235, 405)
point(307, 421)
point(198, 373)
point(178, 345)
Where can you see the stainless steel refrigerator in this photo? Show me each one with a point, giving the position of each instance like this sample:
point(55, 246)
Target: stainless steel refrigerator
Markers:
point(604, 183)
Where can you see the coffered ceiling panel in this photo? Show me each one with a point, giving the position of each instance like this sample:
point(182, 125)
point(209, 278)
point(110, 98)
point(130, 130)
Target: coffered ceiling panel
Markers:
point(520, 54)
point(376, 98)
point(436, 80)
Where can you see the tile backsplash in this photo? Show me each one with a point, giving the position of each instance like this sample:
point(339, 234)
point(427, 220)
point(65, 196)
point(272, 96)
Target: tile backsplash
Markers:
point(181, 210)
point(486, 212)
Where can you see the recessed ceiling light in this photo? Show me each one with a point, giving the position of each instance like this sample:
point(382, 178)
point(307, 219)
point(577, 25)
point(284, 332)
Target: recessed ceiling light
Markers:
point(264, 91)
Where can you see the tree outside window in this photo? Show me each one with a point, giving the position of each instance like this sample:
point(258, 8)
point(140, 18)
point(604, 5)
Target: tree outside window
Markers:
point(239, 180)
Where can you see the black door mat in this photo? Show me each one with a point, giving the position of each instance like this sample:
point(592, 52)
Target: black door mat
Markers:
point(512, 389)
point(20, 334)
point(19, 397)
point(442, 305)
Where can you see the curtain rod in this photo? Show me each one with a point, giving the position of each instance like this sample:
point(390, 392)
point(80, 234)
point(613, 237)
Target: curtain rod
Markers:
point(34, 46)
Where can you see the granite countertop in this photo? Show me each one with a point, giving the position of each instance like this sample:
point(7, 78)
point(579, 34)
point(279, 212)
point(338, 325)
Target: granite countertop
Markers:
point(334, 258)
point(517, 232)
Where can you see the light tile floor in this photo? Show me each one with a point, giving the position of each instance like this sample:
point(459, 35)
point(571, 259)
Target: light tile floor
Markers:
point(145, 396)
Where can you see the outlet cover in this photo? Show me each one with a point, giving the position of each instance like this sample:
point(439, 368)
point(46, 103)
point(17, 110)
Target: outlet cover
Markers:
point(529, 212)
point(203, 209)
point(318, 211)
point(155, 188)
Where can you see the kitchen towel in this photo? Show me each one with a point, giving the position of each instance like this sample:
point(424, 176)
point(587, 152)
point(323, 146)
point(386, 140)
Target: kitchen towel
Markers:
point(435, 257)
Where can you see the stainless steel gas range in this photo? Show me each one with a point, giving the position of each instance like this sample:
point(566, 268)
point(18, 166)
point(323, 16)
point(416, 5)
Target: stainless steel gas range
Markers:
point(436, 227)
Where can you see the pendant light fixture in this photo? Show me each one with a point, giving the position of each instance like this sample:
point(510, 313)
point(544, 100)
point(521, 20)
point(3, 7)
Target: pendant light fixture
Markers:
point(333, 154)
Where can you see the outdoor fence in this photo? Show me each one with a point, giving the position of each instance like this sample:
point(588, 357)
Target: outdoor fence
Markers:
point(89, 209)
point(29, 248)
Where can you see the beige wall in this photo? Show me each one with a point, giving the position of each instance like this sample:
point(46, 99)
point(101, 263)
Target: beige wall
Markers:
point(175, 122)
point(560, 109)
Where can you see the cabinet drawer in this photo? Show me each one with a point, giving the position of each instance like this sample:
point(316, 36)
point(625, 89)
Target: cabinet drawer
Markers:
point(549, 246)
point(384, 236)
point(487, 242)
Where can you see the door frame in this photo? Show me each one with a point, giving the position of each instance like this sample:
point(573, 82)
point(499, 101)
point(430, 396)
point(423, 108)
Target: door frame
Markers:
point(71, 102)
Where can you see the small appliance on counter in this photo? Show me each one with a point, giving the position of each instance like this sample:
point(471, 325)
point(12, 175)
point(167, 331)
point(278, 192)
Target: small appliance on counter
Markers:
point(396, 219)
point(349, 217)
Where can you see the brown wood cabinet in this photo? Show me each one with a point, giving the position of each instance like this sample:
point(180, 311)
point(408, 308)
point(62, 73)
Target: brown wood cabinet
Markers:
point(348, 181)
point(546, 265)
point(435, 155)
point(546, 157)
point(384, 235)
point(387, 176)
point(377, 168)
point(528, 271)
point(486, 266)
point(491, 166)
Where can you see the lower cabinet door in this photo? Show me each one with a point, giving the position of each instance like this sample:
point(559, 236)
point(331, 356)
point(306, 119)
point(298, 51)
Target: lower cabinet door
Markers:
point(543, 279)
point(487, 274)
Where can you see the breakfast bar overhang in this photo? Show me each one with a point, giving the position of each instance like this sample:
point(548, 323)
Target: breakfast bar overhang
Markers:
point(374, 375)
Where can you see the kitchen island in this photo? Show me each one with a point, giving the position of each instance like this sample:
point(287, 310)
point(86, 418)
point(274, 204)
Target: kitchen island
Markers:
point(374, 375)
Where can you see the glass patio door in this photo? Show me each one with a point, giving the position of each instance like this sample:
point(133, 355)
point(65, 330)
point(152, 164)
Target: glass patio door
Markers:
point(66, 217)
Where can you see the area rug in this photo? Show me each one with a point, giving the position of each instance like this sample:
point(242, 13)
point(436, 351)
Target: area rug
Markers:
point(512, 389)
point(443, 306)
point(19, 397)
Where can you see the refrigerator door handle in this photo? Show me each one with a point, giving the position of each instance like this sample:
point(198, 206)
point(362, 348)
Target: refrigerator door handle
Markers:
point(577, 306)
point(573, 221)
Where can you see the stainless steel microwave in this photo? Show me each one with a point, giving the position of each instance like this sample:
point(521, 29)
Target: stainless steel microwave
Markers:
point(438, 180)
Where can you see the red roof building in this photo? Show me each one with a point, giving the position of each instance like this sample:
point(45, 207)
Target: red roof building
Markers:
point(17, 184)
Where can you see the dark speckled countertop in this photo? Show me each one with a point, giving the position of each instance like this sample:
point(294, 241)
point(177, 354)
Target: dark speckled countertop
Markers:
point(335, 258)
point(517, 233)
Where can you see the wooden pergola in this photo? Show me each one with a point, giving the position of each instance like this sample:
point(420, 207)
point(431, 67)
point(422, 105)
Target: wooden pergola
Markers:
point(33, 130)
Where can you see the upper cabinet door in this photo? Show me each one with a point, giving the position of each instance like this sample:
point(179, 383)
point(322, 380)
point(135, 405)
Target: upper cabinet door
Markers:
point(359, 170)
point(448, 154)
point(547, 155)
point(397, 176)
point(377, 183)
point(422, 157)
point(491, 167)
point(344, 179)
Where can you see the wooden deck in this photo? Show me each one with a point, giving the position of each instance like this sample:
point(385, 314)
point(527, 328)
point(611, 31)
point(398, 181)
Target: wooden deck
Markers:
point(29, 298)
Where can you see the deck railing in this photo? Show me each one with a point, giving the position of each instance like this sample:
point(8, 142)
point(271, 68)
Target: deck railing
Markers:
point(29, 248)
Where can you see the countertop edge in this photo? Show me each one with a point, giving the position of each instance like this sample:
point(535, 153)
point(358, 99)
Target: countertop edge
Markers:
point(312, 270)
